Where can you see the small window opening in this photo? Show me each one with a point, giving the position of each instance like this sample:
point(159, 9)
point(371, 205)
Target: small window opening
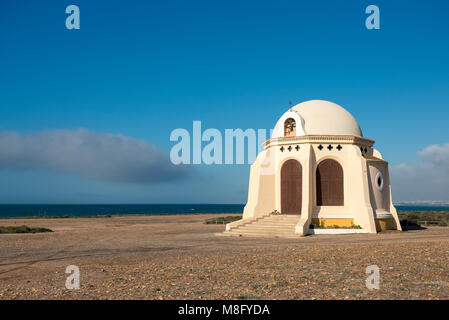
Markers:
point(289, 128)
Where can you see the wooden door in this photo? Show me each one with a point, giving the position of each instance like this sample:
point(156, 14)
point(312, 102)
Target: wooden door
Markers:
point(291, 187)
point(329, 184)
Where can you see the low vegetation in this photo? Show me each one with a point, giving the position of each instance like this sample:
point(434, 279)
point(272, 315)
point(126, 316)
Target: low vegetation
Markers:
point(411, 219)
point(223, 220)
point(23, 229)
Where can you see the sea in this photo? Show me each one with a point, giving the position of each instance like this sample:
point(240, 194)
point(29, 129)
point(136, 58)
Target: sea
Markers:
point(93, 210)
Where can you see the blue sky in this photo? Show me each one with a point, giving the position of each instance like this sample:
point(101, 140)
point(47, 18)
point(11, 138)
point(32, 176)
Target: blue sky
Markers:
point(144, 68)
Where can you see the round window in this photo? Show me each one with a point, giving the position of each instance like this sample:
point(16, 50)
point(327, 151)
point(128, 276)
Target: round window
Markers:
point(380, 181)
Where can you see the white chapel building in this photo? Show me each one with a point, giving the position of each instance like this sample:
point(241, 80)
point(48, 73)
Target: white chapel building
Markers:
point(317, 174)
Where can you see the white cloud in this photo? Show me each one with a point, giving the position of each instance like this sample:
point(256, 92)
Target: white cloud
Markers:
point(102, 156)
point(425, 180)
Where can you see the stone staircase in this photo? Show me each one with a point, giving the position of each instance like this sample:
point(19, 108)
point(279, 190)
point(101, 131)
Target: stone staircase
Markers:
point(282, 226)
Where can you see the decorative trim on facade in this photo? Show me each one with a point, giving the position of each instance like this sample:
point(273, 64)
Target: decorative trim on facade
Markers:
point(373, 159)
point(327, 139)
point(384, 224)
point(329, 222)
point(336, 231)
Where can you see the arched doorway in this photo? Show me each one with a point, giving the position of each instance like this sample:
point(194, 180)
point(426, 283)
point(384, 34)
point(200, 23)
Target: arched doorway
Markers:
point(329, 184)
point(291, 187)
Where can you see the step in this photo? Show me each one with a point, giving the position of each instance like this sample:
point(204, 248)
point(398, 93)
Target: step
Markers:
point(269, 224)
point(281, 217)
point(278, 222)
point(281, 226)
point(266, 228)
point(273, 223)
point(259, 235)
point(264, 232)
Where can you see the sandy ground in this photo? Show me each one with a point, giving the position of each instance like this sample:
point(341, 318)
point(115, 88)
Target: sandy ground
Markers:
point(180, 257)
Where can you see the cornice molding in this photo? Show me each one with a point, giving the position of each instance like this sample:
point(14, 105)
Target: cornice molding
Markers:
point(341, 139)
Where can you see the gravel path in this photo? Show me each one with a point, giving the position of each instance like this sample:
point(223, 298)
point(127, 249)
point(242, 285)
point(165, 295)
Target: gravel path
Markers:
point(179, 257)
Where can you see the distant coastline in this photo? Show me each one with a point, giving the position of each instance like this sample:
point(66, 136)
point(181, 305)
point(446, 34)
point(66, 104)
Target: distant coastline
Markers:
point(104, 210)
point(432, 203)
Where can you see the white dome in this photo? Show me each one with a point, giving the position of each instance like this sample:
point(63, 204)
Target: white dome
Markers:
point(319, 117)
